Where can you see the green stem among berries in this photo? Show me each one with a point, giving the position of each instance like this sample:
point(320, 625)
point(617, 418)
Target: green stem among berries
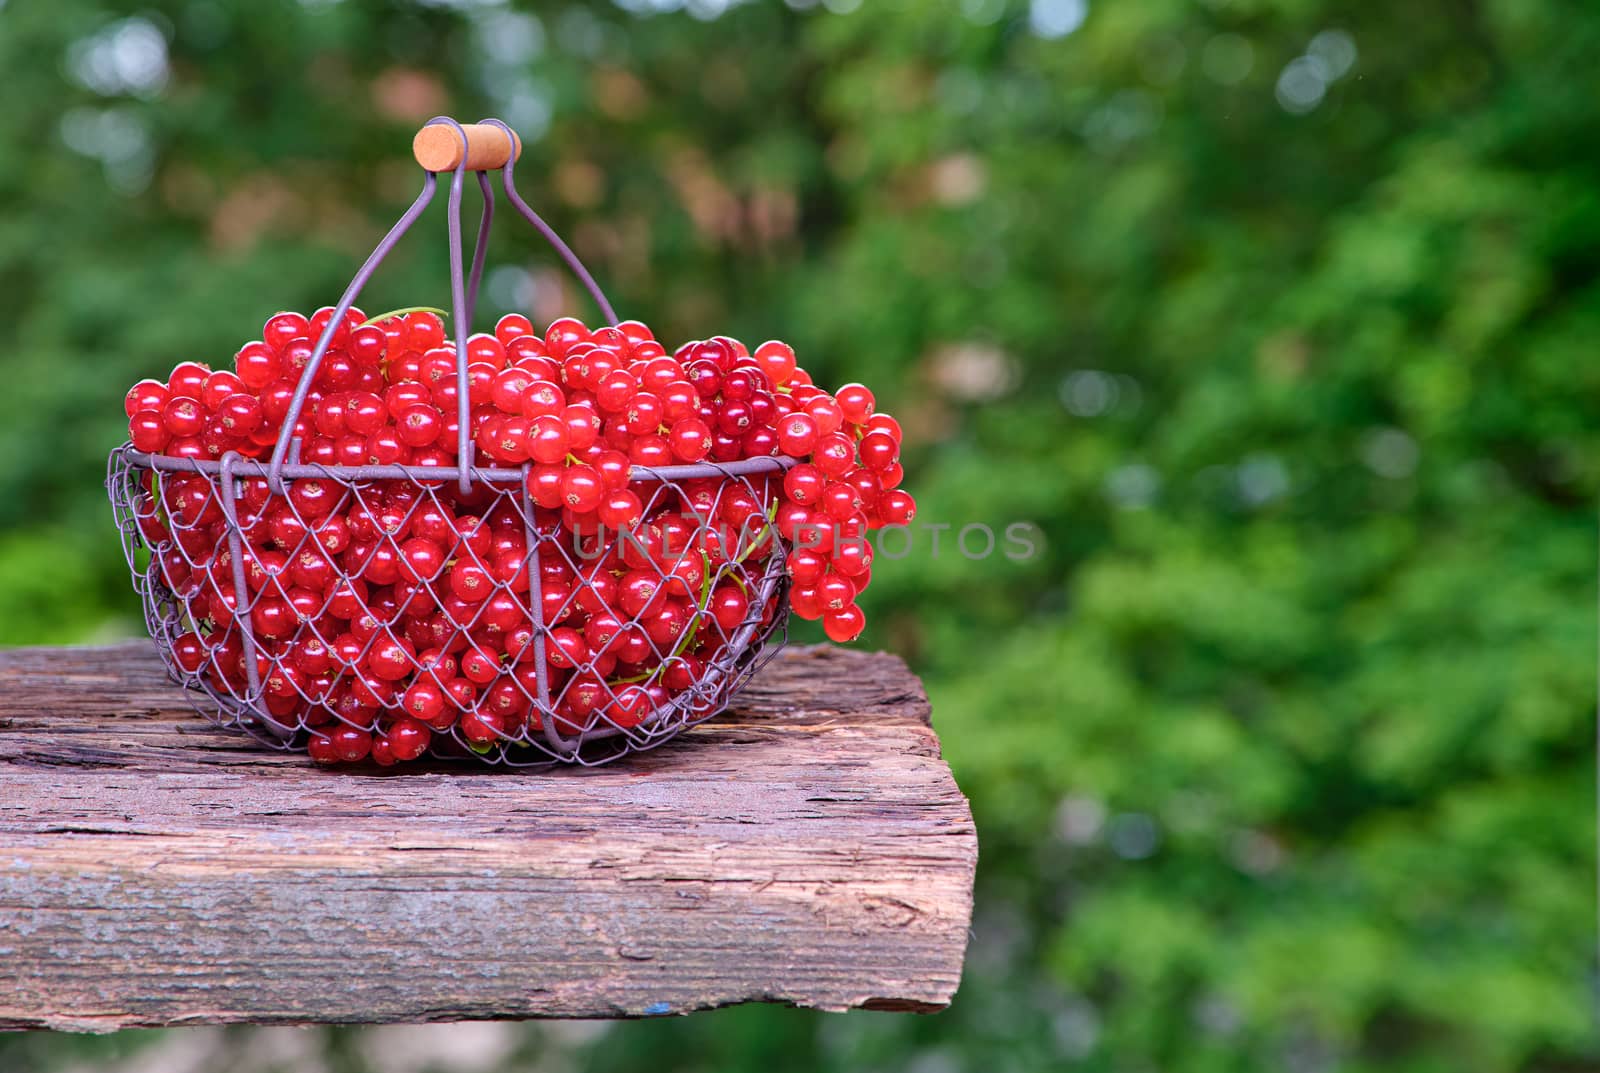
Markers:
point(381, 317)
point(686, 641)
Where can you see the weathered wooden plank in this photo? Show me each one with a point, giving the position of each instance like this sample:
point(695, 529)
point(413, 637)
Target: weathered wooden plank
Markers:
point(809, 847)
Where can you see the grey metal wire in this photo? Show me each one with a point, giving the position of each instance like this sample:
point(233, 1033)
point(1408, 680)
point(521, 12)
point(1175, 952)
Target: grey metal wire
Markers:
point(170, 543)
point(549, 232)
point(171, 612)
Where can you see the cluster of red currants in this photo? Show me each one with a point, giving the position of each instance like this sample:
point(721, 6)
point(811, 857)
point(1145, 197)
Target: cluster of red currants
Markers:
point(385, 612)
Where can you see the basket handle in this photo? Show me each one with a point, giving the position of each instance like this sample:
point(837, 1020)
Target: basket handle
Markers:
point(442, 144)
point(549, 233)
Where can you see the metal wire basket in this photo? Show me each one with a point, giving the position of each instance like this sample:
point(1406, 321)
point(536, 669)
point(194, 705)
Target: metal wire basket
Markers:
point(216, 547)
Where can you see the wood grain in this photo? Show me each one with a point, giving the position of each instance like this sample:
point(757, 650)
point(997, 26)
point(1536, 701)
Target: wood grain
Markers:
point(807, 847)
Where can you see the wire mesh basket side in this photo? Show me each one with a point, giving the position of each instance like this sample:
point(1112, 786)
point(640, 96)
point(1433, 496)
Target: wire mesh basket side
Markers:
point(273, 610)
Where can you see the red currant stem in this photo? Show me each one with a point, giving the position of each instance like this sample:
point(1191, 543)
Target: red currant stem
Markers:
point(572, 459)
point(683, 642)
point(481, 748)
point(402, 312)
point(755, 542)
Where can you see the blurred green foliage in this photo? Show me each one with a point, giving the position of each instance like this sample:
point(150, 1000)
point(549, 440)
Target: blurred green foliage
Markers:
point(1277, 317)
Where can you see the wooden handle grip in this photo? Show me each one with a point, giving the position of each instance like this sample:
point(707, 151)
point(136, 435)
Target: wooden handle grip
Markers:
point(438, 147)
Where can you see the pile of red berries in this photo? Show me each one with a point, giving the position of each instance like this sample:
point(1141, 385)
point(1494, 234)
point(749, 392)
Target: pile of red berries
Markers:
point(386, 612)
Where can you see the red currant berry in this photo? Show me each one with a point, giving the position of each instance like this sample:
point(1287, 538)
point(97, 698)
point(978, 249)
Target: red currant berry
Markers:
point(881, 422)
point(190, 652)
point(542, 397)
point(283, 328)
point(616, 389)
point(482, 727)
point(630, 708)
point(347, 599)
point(276, 399)
point(581, 489)
point(424, 700)
point(390, 659)
point(188, 380)
point(419, 425)
point(424, 331)
point(805, 602)
point(840, 500)
point(844, 625)
point(806, 566)
point(897, 508)
point(257, 365)
point(759, 443)
point(218, 386)
point(826, 412)
point(797, 434)
point(148, 432)
point(511, 326)
point(567, 648)
point(563, 334)
point(184, 416)
point(728, 606)
point(613, 468)
point(240, 414)
point(145, 395)
point(689, 439)
point(620, 510)
point(421, 560)
point(317, 326)
point(835, 591)
point(583, 426)
point(479, 665)
point(636, 332)
point(544, 485)
point(856, 402)
point(776, 359)
point(322, 749)
point(804, 484)
point(367, 345)
point(547, 438)
point(653, 450)
point(409, 738)
point(852, 558)
point(833, 455)
point(878, 451)
point(364, 413)
point(470, 582)
point(386, 448)
point(351, 745)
